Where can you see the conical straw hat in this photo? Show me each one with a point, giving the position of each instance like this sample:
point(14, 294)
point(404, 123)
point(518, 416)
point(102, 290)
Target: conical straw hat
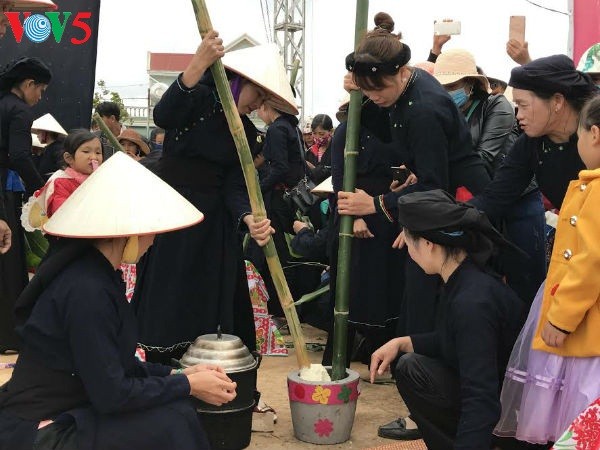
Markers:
point(325, 187)
point(263, 65)
point(109, 204)
point(47, 123)
point(32, 5)
point(35, 141)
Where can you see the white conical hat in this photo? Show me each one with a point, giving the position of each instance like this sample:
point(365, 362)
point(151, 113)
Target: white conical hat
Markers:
point(263, 65)
point(47, 123)
point(32, 5)
point(122, 198)
point(35, 141)
point(325, 187)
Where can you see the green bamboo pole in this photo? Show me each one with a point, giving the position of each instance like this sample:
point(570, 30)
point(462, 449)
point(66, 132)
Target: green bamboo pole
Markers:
point(342, 293)
point(111, 137)
point(256, 201)
point(294, 72)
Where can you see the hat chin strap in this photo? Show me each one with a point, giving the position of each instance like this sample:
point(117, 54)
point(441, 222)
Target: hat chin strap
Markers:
point(130, 252)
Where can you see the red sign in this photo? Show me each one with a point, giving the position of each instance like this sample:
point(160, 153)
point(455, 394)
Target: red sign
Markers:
point(586, 26)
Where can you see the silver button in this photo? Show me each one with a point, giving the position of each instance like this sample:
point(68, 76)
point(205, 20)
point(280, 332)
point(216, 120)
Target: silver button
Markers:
point(567, 253)
point(573, 220)
point(582, 187)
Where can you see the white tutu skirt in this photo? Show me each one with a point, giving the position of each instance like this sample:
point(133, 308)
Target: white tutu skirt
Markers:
point(543, 392)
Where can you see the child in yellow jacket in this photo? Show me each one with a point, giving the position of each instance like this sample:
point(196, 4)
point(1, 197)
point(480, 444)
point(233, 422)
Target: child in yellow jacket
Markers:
point(554, 370)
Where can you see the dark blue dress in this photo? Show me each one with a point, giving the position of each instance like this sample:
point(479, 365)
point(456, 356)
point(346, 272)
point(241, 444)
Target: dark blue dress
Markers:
point(77, 365)
point(193, 280)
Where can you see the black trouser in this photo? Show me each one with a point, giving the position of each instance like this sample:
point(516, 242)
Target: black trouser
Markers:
point(431, 391)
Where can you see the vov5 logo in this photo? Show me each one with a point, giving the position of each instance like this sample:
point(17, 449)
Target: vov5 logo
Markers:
point(38, 27)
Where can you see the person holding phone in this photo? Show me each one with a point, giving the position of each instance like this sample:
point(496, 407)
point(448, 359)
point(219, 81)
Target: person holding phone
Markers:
point(430, 137)
point(374, 305)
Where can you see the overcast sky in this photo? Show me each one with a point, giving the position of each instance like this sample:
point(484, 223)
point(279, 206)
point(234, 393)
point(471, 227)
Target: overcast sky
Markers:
point(128, 31)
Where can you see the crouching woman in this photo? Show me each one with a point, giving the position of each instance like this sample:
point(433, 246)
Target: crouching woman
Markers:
point(77, 383)
point(450, 379)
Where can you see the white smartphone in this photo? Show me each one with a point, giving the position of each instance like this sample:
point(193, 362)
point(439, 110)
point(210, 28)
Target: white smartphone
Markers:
point(446, 28)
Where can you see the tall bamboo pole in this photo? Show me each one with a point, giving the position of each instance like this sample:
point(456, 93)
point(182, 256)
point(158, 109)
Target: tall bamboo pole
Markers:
point(342, 293)
point(256, 201)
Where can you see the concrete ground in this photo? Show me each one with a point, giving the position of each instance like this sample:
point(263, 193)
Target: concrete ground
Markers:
point(378, 403)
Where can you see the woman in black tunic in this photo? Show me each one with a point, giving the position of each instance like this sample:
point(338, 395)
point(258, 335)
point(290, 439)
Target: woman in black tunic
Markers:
point(376, 268)
point(430, 137)
point(77, 383)
point(22, 84)
point(450, 378)
point(549, 93)
point(200, 271)
point(282, 169)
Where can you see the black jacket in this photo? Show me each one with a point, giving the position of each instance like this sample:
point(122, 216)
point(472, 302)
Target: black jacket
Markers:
point(479, 323)
point(493, 129)
point(431, 137)
point(283, 161)
point(15, 141)
point(554, 166)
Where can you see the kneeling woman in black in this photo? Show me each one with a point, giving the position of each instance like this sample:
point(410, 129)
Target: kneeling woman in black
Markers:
point(77, 383)
point(450, 378)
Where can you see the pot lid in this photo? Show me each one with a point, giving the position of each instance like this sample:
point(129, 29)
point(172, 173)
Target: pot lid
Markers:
point(225, 350)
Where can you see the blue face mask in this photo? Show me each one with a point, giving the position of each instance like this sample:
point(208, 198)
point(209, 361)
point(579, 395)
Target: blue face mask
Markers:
point(156, 146)
point(459, 97)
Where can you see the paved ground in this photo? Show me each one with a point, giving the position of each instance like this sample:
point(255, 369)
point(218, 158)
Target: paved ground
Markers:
point(377, 404)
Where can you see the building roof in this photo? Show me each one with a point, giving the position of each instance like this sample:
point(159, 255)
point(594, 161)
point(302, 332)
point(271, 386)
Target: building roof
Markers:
point(177, 62)
point(168, 62)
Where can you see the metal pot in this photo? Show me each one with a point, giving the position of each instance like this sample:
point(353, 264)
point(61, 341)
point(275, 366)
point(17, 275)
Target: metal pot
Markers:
point(229, 426)
point(233, 356)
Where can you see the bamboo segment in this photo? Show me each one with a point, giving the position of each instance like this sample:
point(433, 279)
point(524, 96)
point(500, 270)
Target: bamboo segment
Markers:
point(111, 137)
point(342, 294)
point(294, 72)
point(256, 201)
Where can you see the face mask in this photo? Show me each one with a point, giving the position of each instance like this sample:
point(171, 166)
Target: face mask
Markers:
point(459, 97)
point(322, 142)
point(156, 146)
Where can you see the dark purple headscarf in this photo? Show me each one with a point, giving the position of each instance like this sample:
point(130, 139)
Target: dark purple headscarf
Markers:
point(236, 84)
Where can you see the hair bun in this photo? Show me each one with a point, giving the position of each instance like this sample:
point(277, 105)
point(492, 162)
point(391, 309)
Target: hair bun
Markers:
point(384, 21)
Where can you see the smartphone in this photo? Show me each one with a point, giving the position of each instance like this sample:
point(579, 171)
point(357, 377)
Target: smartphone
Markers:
point(400, 174)
point(516, 28)
point(446, 28)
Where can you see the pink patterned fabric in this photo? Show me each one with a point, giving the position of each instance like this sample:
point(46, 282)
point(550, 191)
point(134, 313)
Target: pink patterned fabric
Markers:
point(129, 277)
point(269, 341)
point(584, 432)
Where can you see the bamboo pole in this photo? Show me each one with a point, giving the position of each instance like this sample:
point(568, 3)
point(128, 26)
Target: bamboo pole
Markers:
point(342, 294)
point(111, 137)
point(256, 201)
point(294, 72)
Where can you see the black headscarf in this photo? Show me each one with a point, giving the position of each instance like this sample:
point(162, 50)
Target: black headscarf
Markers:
point(356, 65)
point(436, 216)
point(23, 69)
point(550, 75)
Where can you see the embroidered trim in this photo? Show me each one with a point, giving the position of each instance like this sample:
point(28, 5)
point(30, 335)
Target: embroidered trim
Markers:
point(384, 209)
point(183, 88)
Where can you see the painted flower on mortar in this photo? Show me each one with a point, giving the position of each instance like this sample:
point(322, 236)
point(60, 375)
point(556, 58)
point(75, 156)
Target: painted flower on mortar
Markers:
point(323, 427)
point(321, 395)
